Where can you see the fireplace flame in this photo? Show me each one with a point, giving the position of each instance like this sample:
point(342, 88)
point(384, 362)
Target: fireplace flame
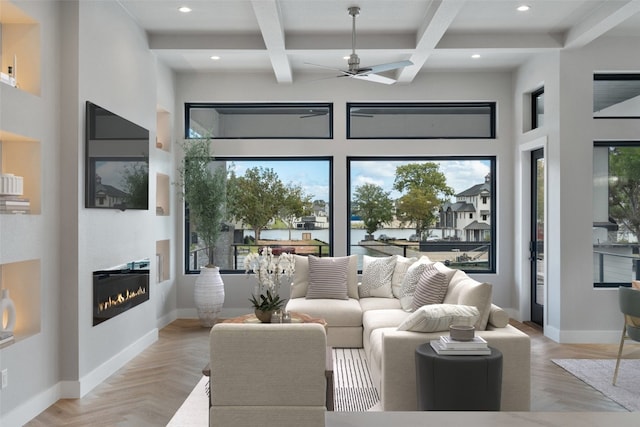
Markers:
point(120, 298)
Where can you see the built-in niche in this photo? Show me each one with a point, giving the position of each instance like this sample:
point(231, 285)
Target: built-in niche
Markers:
point(118, 289)
point(162, 194)
point(163, 260)
point(22, 279)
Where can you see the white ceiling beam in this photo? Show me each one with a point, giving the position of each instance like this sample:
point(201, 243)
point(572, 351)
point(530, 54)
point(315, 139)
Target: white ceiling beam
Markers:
point(605, 18)
point(270, 22)
point(439, 17)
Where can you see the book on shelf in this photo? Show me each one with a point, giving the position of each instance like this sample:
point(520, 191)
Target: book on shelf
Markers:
point(439, 348)
point(6, 337)
point(475, 343)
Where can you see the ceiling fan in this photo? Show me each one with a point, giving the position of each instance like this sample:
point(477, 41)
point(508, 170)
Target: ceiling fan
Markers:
point(365, 73)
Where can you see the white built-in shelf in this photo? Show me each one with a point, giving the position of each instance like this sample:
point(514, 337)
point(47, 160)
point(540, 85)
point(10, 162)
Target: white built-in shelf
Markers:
point(20, 48)
point(163, 260)
point(163, 130)
point(22, 279)
point(162, 194)
point(20, 156)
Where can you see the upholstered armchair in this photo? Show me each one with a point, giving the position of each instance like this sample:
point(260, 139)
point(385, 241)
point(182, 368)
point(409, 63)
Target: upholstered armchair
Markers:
point(267, 375)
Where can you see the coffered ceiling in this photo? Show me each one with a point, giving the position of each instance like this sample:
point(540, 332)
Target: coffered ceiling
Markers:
point(285, 37)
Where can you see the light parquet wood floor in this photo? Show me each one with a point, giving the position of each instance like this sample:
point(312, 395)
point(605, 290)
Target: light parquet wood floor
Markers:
point(150, 388)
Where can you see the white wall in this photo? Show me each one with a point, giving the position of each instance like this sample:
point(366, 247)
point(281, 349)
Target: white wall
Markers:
point(569, 131)
point(475, 86)
point(32, 363)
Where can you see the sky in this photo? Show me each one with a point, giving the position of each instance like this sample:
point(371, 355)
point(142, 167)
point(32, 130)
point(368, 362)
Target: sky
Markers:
point(313, 175)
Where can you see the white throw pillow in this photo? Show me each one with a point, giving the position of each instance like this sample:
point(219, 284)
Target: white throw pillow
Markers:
point(438, 317)
point(402, 265)
point(410, 282)
point(376, 276)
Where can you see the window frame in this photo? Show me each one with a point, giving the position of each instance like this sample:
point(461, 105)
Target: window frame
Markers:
point(610, 285)
point(535, 98)
point(391, 105)
point(266, 105)
point(230, 159)
point(493, 251)
point(614, 77)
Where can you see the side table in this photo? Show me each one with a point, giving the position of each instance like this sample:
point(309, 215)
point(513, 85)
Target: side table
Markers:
point(458, 383)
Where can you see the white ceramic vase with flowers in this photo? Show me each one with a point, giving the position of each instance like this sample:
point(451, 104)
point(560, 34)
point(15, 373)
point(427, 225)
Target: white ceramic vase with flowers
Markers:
point(269, 270)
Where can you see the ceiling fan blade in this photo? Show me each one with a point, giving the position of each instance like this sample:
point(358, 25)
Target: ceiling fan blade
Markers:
point(384, 67)
point(374, 78)
point(328, 68)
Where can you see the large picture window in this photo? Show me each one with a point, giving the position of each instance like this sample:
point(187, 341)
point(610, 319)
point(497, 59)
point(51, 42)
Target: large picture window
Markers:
point(423, 120)
point(442, 207)
point(616, 213)
point(284, 203)
point(259, 120)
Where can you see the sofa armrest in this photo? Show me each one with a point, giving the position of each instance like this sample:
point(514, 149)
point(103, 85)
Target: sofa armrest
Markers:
point(398, 373)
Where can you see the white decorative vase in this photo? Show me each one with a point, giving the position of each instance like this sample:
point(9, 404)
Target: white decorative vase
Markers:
point(209, 295)
point(7, 305)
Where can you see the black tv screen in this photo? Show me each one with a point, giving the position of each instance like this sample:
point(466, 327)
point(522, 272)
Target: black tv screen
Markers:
point(117, 166)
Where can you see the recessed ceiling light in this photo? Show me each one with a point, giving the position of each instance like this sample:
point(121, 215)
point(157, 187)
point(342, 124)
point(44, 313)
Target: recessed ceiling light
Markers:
point(475, 56)
point(184, 9)
point(523, 8)
point(215, 57)
point(346, 57)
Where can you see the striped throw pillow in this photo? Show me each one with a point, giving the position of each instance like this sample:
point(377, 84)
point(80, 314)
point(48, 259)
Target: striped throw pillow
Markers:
point(431, 288)
point(327, 277)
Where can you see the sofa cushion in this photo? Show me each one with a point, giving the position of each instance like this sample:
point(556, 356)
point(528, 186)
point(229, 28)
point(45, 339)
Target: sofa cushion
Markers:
point(373, 303)
point(498, 317)
point(300, 281)
point(337, 313)
point(438, 317)
point(327, 278)
point(432, 286)
point(466, 291)
point(377, 273)
point(400, 270)
point(410, 282)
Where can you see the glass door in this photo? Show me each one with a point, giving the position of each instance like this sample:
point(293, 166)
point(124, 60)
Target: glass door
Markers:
point(536, 244)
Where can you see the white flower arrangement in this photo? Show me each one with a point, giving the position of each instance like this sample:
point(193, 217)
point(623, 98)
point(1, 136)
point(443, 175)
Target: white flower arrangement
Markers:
point(269, 269)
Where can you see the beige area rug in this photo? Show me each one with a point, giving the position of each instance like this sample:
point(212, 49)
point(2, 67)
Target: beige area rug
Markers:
point(194, 412)
point(598, 373)
point(353, 390)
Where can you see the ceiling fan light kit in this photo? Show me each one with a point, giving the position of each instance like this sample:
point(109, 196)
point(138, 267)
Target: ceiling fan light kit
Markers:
point(366, 73)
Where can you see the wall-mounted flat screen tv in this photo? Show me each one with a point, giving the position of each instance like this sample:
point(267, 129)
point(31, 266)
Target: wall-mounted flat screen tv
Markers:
point(117, 162)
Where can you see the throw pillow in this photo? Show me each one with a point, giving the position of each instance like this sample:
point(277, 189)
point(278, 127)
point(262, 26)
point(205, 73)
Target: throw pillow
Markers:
point(431, 288)
point(300, 277)
point(328, 277)
point(467, 291)
point(376, 276)
point(402, 265)
point(410, 282)
point(438, 317)
point(498, 317)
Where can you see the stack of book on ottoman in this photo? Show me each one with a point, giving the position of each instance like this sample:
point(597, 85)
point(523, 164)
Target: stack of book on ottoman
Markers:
point(448, 346)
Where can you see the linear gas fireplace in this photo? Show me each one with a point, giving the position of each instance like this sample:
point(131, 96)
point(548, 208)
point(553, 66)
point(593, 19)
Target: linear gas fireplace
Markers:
point(118, 289)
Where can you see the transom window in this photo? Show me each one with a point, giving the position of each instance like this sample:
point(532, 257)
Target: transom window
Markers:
point(459, 120)
point(259, 120)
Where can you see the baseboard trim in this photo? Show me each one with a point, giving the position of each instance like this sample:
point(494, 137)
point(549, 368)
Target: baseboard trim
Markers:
point(31, 408)
point(104, 371)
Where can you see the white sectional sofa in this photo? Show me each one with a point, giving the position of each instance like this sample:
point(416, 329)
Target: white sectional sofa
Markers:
point(375, 317)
